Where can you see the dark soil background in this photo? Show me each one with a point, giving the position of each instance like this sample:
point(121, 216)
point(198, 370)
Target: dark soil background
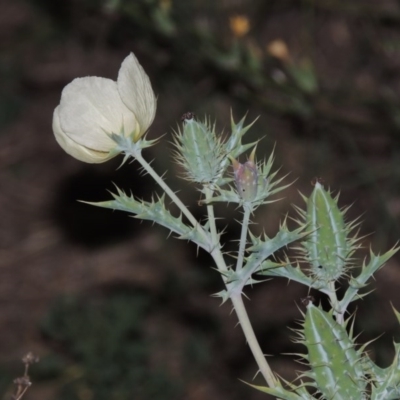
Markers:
point(115, 308)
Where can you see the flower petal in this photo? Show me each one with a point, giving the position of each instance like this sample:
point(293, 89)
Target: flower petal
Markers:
point(74, 149)
point(90, 108)
point(136, 92)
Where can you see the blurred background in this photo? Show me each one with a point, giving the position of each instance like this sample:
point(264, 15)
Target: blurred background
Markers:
point(114, 308)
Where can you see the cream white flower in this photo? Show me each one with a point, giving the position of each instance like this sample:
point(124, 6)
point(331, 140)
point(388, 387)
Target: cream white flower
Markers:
point(91, 108)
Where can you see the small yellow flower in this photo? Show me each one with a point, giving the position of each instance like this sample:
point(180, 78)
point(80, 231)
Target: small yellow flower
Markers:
point(239, 25)
point(278, 49)
point(166, 5)
point(91, 108)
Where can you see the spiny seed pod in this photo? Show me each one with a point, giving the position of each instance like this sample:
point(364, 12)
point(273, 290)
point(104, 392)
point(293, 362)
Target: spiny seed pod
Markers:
point(335, 364)
point(328, 248)
point(199, 151)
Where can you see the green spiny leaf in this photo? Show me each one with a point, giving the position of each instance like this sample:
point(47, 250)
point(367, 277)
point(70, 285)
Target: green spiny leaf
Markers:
point(234, 144)
point(154, 211)
point(386, 381)
point(261, 249)
point(288, 271)
point(367, 271)
point(335, 364)
point(296, 393)
point(328, 249)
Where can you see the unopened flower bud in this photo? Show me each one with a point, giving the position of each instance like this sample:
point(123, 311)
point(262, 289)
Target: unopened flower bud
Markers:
point(246, 178)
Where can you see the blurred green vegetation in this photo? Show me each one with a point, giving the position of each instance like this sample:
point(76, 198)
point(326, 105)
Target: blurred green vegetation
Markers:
point(105, 350)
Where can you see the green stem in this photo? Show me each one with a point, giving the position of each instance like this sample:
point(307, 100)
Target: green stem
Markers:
point(216, 246)
point(236, 298)
point(221, 265)
point(252, 341)
point(185, 211)
point(243, 236)
point(213, 228)
point(335, 303)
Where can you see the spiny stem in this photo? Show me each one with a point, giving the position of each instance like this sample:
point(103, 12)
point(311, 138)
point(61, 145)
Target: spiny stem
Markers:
point(243, 236)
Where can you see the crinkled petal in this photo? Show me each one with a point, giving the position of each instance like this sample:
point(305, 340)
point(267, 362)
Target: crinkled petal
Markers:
point(74, 149)
point(136, 92)
point(90, 108)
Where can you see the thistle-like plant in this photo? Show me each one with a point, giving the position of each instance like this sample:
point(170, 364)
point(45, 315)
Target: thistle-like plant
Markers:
point(337, 367)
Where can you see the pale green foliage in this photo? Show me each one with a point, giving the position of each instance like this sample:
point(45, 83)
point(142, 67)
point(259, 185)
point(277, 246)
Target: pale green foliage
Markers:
point(386, 381)
point(203, 154)
point(153, 211)
point(200, 152)
point(293, 393)
point(257, 261)
point(338, 369)
point(367, 271)
point(263, 248)
point(328, 248)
